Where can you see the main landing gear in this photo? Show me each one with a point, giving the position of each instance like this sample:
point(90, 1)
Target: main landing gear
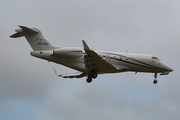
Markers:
point(90, 76)
point(89, 79)
point(155, 76)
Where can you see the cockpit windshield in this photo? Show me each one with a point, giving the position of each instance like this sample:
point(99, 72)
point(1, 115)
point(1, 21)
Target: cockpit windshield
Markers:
point(155, 58)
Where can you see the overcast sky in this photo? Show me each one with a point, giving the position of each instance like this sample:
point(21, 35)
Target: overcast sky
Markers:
point(29, 89)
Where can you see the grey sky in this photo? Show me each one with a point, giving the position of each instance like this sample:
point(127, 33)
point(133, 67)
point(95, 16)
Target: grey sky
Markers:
point(30, 90)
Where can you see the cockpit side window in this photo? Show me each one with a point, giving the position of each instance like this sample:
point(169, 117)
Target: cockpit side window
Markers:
point(155, 58)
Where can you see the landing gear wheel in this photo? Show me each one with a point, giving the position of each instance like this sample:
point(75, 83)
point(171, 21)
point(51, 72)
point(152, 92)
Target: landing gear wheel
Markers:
point(155, 81)
point(89, 79)
point(94, 75)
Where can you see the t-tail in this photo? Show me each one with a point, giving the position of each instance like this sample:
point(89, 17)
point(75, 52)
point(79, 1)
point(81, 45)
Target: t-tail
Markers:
point(35, 38)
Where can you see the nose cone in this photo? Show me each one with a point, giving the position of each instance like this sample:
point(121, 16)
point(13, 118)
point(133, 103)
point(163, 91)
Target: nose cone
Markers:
point(165, 67)
point(169, 69)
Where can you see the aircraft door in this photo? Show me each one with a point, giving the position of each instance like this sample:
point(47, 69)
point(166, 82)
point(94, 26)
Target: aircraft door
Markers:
point(108, 57)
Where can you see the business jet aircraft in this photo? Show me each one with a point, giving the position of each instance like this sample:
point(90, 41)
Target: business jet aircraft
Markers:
point(88, 62)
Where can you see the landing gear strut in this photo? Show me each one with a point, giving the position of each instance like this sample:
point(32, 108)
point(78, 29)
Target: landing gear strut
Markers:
point(155, 76)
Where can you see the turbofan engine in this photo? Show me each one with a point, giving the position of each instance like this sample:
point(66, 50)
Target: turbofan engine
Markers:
point(68, 52)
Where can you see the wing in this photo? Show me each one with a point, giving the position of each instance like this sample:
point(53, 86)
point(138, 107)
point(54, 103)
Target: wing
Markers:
point(94, 61)
point(74, 75)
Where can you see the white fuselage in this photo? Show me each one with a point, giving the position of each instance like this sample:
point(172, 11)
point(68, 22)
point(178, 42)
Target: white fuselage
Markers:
point(122, 61)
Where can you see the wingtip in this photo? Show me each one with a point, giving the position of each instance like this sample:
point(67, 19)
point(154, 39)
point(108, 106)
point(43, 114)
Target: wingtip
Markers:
point(56, 72)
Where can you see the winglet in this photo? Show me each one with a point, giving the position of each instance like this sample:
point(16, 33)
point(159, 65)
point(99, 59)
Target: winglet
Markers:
point(85, 45)
point(56, 72)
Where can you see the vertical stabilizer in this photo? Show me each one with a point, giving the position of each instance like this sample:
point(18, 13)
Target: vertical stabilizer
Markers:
point(34, 37)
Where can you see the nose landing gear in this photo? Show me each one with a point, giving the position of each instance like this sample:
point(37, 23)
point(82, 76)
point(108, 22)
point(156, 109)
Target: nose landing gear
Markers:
point(155, 76)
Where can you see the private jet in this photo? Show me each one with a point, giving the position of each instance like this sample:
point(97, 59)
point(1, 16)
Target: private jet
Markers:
point(90, 63)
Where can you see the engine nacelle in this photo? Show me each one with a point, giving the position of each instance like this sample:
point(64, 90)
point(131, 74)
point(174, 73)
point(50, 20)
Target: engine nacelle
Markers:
point(68, 52)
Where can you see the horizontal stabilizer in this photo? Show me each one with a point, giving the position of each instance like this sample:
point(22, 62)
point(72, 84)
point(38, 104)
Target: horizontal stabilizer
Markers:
point(73, 75)
point(16, 35)
point(29, 30)
point(23, 30)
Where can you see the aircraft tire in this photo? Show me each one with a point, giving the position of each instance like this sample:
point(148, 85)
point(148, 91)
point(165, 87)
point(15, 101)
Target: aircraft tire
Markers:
point(94, 75)
point(89, 79)
point(155, 81)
